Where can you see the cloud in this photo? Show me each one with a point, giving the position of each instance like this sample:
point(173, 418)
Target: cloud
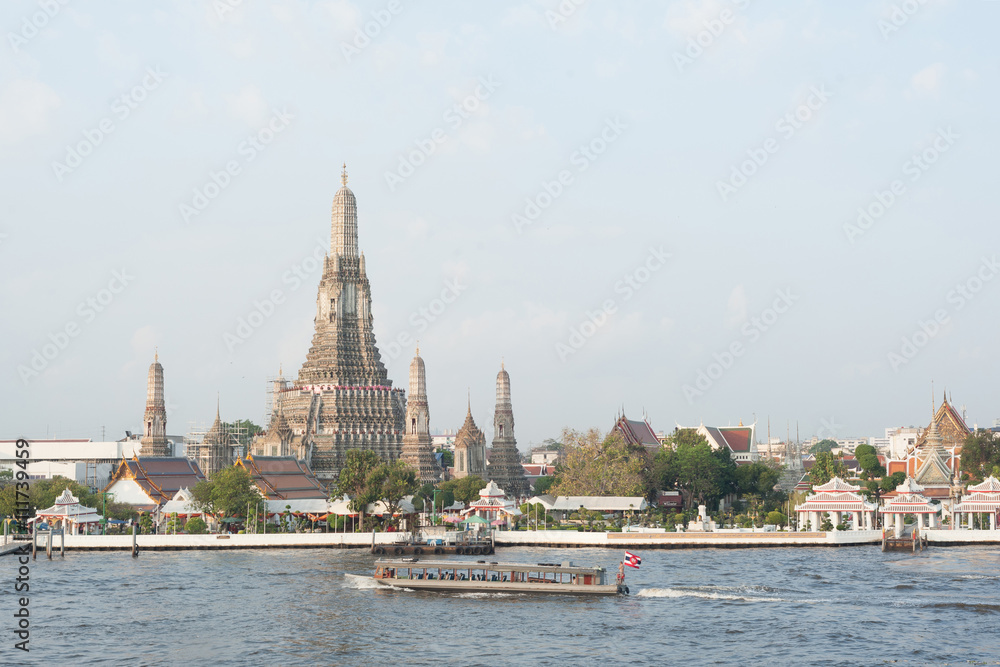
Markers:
point(25, 110)
point(927, 82)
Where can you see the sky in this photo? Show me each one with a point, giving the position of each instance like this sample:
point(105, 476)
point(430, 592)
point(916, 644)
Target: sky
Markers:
point(704, 212)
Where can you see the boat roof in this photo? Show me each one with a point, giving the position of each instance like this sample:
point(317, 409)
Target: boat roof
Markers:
point(486, 565)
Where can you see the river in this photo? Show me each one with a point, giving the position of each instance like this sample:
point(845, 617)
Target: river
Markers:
point(778, 606)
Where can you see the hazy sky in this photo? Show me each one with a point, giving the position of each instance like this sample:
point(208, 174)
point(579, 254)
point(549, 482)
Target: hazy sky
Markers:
point(632, 205)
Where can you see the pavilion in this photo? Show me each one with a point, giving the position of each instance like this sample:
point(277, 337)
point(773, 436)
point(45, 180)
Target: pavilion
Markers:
point(69, 514)
point(982, 499)
point(838, 498)
point(493, 505)
point(182, 504)
point(909, 500)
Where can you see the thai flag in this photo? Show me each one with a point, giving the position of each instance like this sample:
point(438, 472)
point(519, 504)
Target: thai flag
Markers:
point(632, 560)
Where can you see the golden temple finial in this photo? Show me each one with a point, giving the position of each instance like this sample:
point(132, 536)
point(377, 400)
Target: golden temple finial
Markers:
point(156, 353)
point(343, 175)
point(501, 363)
point(418, 348)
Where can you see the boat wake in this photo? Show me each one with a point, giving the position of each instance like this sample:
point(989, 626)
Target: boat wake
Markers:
point(358, 581)
point(713, 595)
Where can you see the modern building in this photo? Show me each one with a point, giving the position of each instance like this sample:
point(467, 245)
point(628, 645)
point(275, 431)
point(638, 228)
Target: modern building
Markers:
point(546, 456)
point(343, 398)
point(504, 464)
point(81, 460)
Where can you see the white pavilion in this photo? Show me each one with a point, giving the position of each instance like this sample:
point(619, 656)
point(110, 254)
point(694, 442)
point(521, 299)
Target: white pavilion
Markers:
point(68, 514)
point(982, 499)
point(840, 499)
point(909, 501)
point(493, 505)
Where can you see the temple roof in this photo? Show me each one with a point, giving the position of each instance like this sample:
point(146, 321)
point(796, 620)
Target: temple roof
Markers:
point(990, 485)
point(159, 477)
point(637, 432)
point(282, 477)
point(836, 484)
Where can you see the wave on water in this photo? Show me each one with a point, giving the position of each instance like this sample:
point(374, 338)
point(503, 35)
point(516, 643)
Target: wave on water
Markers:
point(358, 581)
point(712, 595)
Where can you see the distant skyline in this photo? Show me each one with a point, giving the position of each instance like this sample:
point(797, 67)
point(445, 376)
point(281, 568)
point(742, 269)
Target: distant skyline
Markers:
point(706, 212)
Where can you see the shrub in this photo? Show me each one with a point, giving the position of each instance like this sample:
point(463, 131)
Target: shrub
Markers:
point(195, 526)
point(776, 519)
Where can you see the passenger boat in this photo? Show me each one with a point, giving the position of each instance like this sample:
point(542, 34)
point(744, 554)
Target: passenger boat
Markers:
point(491, 577)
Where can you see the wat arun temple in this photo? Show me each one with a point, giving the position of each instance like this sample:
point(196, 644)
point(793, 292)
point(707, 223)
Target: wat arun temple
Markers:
point(343, 398)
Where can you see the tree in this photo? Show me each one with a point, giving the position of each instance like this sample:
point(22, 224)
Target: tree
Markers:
point(465, 489)
point(825, 445)
point(892, 481)
point(776, 518)
point(249, 431)
point(361, 479)
point(228, 493)
point(980, 456)
point(398, 480)
point(543, 484)
point(826, 467)
point(195, 526)
point(689, 464)
point(868, 462)
point(592, 467)
point(447, 457)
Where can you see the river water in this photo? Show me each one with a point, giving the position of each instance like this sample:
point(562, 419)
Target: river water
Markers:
point(835, 606)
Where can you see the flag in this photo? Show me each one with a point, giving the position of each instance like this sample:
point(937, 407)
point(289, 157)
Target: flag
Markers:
point(632, 560)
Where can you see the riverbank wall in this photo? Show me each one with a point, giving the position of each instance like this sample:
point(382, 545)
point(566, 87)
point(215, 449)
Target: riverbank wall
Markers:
point(542, 538)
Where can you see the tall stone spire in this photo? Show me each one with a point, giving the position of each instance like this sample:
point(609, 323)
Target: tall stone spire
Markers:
point(505, 466)
point(343, 398)
point(418, 448)
point(215, 451)
point(470, 448)
point(154, 429)
point(344, 237)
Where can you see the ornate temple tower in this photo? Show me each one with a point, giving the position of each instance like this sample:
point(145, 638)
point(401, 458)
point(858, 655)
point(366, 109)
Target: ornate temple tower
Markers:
point(343, 398)
point(505, 461)
point(215, 451)
point(470, 449)
point(418, 449)
point(154, 430)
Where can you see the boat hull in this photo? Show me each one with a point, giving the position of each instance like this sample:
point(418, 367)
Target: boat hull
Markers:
point(509, 587)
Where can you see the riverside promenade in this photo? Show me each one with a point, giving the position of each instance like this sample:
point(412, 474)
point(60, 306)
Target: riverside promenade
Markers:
point(521, 538)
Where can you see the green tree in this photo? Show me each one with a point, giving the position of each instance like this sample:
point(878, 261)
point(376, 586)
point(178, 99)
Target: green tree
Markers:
point(361, 479)
point(689, 464)
point(447, 457)
point(249, 431)
point(980, 456)
point(868, 461)
point(776, 518)
point(228, 493)
point(825, 445)
point(890, 482)
point(195, 526)
point(398, 480)
point(826, 467)
point(465, 489)
point(609, 467)
point(543, 484)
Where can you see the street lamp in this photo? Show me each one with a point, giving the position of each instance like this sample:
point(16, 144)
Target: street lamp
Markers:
point(878, 503)
point(104, 518)
point(434, 495)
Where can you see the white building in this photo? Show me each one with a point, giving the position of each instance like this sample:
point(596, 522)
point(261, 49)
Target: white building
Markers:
point(82, 460)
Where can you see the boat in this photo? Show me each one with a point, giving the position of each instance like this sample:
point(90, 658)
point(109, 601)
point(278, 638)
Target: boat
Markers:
point(492, 577)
